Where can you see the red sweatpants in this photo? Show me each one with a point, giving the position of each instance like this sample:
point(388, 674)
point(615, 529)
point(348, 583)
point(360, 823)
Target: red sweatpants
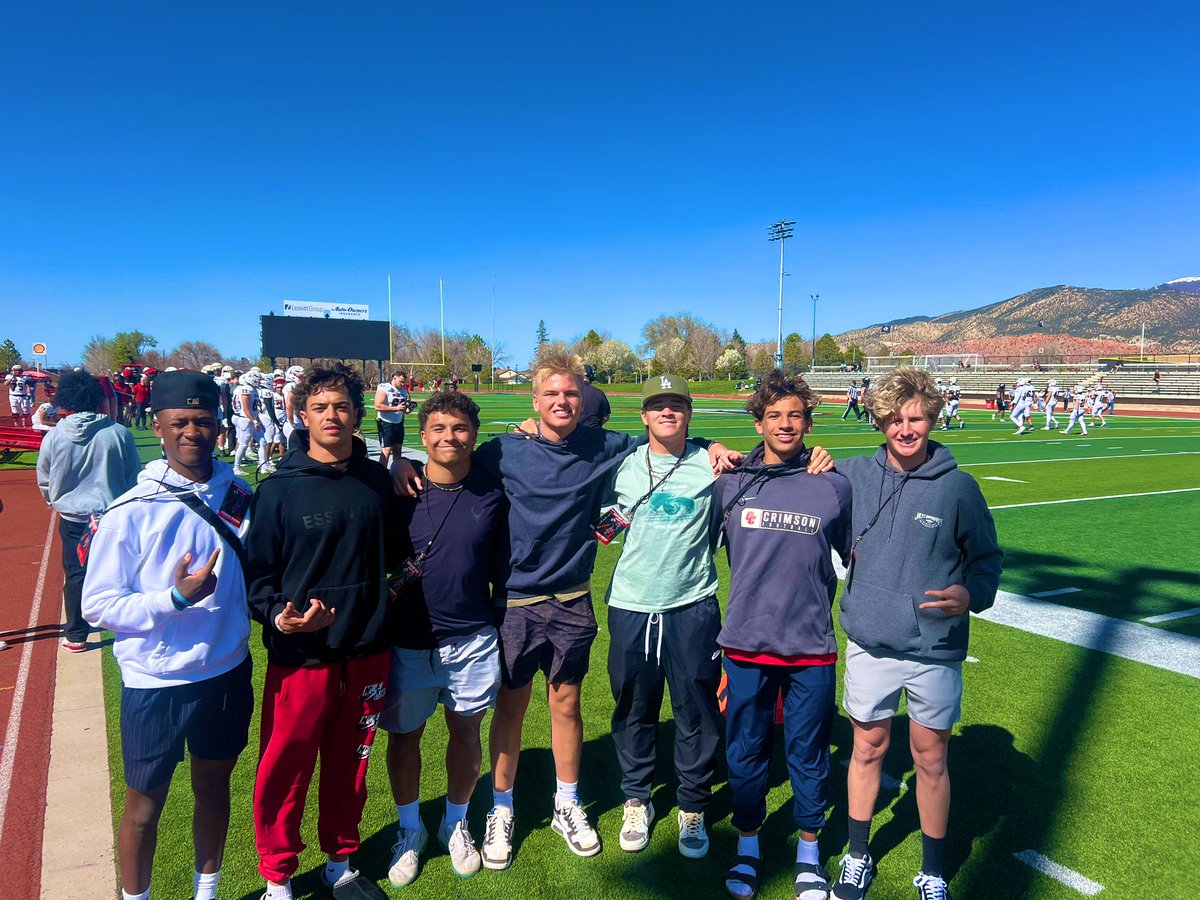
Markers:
point(331, 710)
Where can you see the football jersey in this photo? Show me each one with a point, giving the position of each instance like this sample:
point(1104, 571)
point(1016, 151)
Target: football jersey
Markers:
point(20, 385)
point(252, 396)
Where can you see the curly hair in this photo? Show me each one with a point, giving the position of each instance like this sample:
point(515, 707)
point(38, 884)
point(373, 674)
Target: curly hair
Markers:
point(321, 378)
point(777, 386)
point(79, 392)
point(558, 364)
point(452, 402)
point(900, 386)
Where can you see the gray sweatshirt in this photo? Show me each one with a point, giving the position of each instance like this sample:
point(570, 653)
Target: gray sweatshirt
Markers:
point(87, 460)
point(931, 529)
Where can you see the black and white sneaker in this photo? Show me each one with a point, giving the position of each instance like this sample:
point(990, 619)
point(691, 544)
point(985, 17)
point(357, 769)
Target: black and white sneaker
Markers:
point(572, 823)
point(931, 887)
point(498, 839)
point(856, 876)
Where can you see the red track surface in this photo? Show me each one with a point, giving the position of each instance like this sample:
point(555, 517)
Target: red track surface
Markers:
point(24, 525)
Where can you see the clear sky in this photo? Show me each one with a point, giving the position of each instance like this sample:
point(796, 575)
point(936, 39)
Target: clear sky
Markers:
point(182, 168)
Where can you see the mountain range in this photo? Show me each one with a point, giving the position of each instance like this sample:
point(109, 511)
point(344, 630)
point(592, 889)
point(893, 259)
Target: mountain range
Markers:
point(1076, 319)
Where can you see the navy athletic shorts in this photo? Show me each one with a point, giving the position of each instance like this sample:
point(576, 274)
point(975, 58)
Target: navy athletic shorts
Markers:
point(212, 716)
point(553, 636)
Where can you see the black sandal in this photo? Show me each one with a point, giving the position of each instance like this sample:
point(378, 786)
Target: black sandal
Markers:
point(809, 877)
point(753, 880)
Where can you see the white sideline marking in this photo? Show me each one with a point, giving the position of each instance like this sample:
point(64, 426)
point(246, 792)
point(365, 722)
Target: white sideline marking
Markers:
point(972, 659)
point(1129, 640)
point(1002, 478)
point(1118, 447)
point(1057, 593)
point(1060, 873)
point(885, 780)
point(8, 755)
point(1021, 462)
point(1086, 499)
point(1168, 617)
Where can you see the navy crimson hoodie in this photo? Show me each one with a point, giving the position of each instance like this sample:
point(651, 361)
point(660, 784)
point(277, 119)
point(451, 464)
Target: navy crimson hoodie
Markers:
point(317, 531)
point(933, 530)
point(780, 525)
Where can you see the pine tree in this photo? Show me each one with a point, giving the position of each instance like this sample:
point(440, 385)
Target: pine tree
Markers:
point(542, 338)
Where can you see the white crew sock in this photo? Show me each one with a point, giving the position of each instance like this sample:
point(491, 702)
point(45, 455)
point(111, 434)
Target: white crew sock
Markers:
point(409, 815)
point(279, 891)
point(747, 846)
point(335, 870)
point(456, 812)
point(502, 798)
point(204, 887)
point(144, 895)
point(807, 852)
point(567, 793)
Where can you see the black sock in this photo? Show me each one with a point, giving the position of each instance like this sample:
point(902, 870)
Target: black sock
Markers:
point(860, 830)
point(931, 855)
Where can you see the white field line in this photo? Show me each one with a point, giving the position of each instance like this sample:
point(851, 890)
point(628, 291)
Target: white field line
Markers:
point(8, 755)
point(1170, 617)
point(1088, 499)
point(1002, 478)
point(1060, 873)
point(1057, 593)
point(1129, 640)
point(1021, 462)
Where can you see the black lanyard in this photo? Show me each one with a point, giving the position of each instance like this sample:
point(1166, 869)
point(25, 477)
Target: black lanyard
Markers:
point(654, 487)
point(424, 554)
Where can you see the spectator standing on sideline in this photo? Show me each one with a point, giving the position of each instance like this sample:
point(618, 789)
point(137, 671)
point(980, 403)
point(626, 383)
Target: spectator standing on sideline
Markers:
point(166, 576)
point(906, 614)
point(324, 534)
point(141, 399)
point(1157, 379)
point(447, 648)
point(780, 524)
point(87, 460)
point(594, 407)
point(391, 402)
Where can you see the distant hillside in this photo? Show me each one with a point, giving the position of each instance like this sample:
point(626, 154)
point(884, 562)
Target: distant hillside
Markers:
point(1079, 320)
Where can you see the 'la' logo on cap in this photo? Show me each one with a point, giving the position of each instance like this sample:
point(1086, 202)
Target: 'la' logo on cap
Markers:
point(666, 383)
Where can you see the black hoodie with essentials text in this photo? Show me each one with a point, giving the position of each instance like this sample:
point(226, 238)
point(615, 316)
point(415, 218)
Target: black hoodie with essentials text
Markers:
point(320, 532)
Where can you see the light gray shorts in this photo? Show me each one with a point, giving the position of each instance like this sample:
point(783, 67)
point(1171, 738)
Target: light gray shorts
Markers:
point(875, 678)
point(463, 675)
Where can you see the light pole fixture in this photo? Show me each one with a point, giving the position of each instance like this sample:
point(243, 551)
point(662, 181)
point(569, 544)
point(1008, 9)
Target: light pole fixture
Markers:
point(815, 298)
point(780, 231)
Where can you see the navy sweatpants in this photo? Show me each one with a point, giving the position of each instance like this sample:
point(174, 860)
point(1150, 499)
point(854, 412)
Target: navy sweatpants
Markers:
point(689, 663)
point(808, 707)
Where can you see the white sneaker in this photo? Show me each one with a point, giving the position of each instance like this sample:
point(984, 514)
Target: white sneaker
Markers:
point(635, 825)
point(693, 839)
point(572, 823)
point(406, 852)
point(498, 839)
point(457, 839)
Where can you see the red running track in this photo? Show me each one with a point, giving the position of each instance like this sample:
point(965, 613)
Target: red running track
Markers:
point(31, 563)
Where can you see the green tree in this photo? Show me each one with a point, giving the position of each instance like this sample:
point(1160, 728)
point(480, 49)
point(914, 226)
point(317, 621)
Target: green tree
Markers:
point(738, 343)
point(855, 354)
point(761, 363)
point(828, 353)
point(907, 351)
point(128, 346)
point(9, 355)
point(795, 354)
point(543, 337)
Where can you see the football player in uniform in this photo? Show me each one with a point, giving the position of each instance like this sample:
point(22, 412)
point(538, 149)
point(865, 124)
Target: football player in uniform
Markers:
point(950, 410)
point(1050, 400)
point(1098, 401)
point(1022, 400)
point(245, 416)
point(1078, 403)
point(291, 413)
point(21, 389)
point(272, 434)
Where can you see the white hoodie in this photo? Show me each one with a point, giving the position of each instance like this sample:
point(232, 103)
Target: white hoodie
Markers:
point(131, 570)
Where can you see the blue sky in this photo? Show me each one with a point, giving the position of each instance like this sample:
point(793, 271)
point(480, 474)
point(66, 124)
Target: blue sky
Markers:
point(184, 168)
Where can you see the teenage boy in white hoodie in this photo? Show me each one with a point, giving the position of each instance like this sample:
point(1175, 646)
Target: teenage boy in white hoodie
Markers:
point(165, 575)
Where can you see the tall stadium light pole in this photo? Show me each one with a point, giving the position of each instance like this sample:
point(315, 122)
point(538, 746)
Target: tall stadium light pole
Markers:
point(391, 349)
point(780, 231)
point(815, 298)
point(492, 355)
point(442, 312)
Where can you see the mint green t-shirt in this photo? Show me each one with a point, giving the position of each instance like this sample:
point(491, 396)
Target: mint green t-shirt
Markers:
point(667, 558)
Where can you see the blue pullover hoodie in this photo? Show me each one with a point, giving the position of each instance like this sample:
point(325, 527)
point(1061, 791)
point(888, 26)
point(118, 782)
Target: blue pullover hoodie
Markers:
point(916, 531)
point(780, 525)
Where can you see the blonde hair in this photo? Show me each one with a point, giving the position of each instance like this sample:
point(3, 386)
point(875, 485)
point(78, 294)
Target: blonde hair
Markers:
point(898, 387)
point(558, 364)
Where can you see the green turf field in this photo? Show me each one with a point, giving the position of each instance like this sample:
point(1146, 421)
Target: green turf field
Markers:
point(1089, 759)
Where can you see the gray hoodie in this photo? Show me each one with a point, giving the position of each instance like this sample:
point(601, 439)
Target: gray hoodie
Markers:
point(931, 529)
point(87, 460)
